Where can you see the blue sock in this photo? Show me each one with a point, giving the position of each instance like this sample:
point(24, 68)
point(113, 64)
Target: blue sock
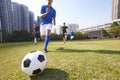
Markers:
point(47, 39)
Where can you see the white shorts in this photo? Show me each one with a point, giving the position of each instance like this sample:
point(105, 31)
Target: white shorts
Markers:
point(72, 37)
point(44, 28)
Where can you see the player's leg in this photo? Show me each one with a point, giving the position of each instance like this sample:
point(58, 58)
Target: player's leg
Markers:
point(63, 37)
point(47, 38)
point(35, 40)
point(43, 31)
point(71, 38)
point(37, 37)
point(42, 37)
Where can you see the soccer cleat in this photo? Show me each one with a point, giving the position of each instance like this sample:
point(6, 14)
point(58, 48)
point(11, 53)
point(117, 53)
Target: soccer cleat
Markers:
point(45, 51)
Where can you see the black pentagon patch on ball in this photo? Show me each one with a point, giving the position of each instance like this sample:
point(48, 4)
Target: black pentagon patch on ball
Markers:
point(41, 58)
point(33, 51)
point(27, 63)
point(37, 71)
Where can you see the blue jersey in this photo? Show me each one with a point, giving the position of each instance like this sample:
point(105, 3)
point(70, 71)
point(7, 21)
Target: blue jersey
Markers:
point(71, 33)
point(49, 17)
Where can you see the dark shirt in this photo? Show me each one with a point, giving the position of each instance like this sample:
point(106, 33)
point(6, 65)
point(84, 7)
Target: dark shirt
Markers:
point(37, 29)
point(64, 29)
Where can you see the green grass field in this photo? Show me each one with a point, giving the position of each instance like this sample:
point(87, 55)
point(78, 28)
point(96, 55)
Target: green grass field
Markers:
point(76, 60)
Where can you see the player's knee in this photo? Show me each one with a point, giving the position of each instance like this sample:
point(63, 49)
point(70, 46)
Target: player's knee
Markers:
point(48, 32)
point(42, 37)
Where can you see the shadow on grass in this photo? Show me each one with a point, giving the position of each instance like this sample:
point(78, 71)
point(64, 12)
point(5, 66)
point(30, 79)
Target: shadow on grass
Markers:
point(51, 74)
point(96, 51)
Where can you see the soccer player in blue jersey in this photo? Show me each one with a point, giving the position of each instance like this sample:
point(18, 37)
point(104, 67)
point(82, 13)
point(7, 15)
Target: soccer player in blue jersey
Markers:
point(71, 35)
point(48, 15)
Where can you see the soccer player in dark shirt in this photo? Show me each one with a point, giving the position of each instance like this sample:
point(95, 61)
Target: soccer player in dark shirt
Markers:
point(36, 33)
point(64, 30)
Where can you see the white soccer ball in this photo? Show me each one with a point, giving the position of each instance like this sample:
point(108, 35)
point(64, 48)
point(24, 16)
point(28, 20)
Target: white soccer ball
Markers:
point(34, 63)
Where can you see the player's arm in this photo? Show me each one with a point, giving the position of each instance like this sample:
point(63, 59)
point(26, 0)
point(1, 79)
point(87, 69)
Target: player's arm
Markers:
point(61, 28)
point(67, 28)
point(54, 21)
point(44, 14)
point(33, 32)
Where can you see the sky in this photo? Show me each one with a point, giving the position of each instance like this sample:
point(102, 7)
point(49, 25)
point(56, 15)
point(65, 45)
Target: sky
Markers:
point(86, 13)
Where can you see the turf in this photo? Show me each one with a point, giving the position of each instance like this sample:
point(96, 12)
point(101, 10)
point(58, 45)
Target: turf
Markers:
point(76, 60)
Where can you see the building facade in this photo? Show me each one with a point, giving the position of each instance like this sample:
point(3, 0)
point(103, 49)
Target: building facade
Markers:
point(105, 26)
point(24, 14)
point(16, 16)
point(38, 20)
point(23, 19)
point(0, 24)
point(73, 27)
point(31, 21)
point(6, 15)
point(115, 9)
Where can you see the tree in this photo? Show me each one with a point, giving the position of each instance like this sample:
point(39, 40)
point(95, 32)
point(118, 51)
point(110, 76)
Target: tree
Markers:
point(25, 36)
point(104, 33)
point(114, 30)
point(5, 36)
point(20, 36)
point(56, 36)
point(114, 24)
point(15, 36)
point(85, 35)
point(78, 35)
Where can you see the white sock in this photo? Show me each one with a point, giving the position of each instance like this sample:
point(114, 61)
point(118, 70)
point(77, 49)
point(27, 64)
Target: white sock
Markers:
point(35, 41)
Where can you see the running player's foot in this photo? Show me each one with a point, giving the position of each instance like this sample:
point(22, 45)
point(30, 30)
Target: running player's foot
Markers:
point(45, 51)
point(64, 41)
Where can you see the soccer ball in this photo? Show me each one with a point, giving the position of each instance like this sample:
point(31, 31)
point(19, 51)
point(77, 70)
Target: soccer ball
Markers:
point(34, 63)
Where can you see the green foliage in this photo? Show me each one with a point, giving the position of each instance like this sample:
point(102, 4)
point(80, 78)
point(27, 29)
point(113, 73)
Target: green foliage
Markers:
point(16, 36)
point(104, 33)
point(78, 35)
point(5, 36)
point(56, 37)
point(25, 36)
point(85, 35)
point(114, 24)
point(114, 30)
point(22, 35)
